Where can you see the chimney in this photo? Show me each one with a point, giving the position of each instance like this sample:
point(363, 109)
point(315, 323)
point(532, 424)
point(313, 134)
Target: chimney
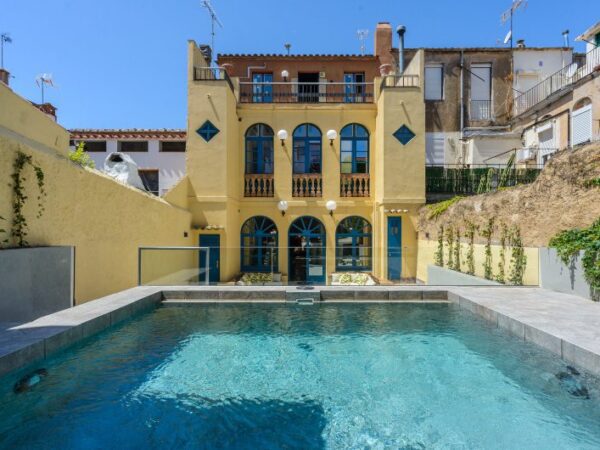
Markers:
point(401, 30)
point(383, 43)
point(47, 108)
point(4, 76)
point(521, 43)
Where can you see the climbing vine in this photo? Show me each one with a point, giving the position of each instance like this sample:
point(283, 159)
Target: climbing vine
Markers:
point(471, 228)
point(439, 253)
point(457, 249)
point(486, 233)
point(81, 157)
point(504, 236)
point(518, 259)
point(437, 209)
point(450, 244)
point(569, 243)
point(20, 226)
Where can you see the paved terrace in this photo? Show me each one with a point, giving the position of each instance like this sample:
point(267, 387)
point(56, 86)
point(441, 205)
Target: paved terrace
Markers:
point(564, 324)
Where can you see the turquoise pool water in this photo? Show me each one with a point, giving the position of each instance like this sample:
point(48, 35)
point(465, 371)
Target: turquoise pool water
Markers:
point(322, 376)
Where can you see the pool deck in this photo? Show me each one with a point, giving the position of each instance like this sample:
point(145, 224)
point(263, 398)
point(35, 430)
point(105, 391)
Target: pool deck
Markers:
point(566, 325)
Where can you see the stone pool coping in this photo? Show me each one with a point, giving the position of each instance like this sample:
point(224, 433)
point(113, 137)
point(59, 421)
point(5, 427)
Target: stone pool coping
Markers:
point(563, 324)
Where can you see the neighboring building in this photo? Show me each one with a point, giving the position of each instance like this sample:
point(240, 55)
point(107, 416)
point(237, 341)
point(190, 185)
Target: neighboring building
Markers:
point(306, 164)
point(563, 110)
point(159, 154)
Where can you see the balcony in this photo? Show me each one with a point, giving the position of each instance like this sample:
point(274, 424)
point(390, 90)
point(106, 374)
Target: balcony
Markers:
point(400, 81)
point(212, 74)
point(307, 185)
point(480, 110)
point(355, 185)
point(259, 185)
point(294, 92)
point(558, 81)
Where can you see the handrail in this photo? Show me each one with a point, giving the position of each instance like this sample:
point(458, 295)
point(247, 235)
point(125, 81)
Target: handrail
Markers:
point(558, 81)
point(400, 81)
point(309, 92)
point(212, 74)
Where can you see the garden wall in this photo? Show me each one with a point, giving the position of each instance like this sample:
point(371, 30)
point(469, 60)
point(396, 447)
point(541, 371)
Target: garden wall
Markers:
point(104, 220)
point(441, 276)
point(426, 257)
point(559, 277)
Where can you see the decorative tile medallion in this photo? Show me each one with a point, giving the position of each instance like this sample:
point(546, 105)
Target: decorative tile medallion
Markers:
point(404, 134)
point(207, 131)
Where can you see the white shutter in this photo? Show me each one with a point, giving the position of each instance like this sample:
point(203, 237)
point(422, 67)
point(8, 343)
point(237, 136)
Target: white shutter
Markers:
point(481, 82)
point(434, 148)
point(581, 125)
point(433, 82)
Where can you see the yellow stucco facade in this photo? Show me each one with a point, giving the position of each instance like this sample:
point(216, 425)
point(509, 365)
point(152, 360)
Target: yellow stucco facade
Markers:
point(216, 169)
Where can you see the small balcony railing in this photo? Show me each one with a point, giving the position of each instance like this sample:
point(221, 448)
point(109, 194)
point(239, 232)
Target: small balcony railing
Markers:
point(294, 92)
point(557, 82)
point(259, 185)
point(400, 81)
point(480, 110)
point(307, 185)
point(212, 74)
point(355, 185)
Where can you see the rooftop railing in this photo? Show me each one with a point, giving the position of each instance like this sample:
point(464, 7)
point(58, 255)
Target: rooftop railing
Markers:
point(212, 74)
point(295, 92)
point(400, 81)
point(558, 81)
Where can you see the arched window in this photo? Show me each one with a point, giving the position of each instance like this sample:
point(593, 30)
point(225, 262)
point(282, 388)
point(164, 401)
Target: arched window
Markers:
point(259, 149)
point(353, 245)
point(354, 149)
point(259, 245)
point(307, 149)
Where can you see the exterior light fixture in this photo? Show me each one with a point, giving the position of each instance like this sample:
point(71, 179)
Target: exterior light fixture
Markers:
point(331, 206)
point(285, 74)
point(332, 136)
point(282, 206)
point(283, 135)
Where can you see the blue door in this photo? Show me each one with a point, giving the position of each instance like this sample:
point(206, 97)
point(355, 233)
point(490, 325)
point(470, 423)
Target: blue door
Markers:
point(213, 242)
point(394, 248)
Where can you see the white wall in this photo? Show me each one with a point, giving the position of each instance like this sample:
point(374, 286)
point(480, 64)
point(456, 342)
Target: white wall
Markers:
point(532, 66)
point(441, 148)
point(491, 150)
point(171, 165)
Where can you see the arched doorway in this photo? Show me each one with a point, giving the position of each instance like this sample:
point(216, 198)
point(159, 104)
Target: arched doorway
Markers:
point(307, 250)
point(259, 245)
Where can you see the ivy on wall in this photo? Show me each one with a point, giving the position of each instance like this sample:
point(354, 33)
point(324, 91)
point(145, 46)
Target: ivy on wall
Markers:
point(457, 249)
point(518, 259)
point(487, 233)
point(439, 253)
point(20, 227)
point(471, 229)
point(569, 243)
point(504, 236)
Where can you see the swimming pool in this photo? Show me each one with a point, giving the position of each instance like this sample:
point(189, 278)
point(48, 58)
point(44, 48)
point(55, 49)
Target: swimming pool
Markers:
point(289, 376)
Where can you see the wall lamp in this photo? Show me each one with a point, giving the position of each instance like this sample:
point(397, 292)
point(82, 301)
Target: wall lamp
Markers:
point(282, 206)
point(285, 74)
point(283, 135)
point(331, 206)
point(332, 136)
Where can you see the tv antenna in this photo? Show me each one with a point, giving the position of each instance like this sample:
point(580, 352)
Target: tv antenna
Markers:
point(287, 48)
point(4, 37)
point(362, 35)
point(213, 20)
point(508, 16)
point(42, 80)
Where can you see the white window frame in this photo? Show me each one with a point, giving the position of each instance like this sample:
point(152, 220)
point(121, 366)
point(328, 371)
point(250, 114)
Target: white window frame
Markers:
point(478, 65)
point(439, 66)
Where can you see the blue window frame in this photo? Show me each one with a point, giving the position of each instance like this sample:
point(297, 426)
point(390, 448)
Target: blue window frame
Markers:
point(307, 251)
point(354, 149)
point(262, 89)
point(354, 87)
point(307, 149)
point(259, 252)
point(259, 149)
point(353, 245)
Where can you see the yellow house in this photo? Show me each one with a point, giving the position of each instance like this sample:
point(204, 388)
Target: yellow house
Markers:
point(306, 165)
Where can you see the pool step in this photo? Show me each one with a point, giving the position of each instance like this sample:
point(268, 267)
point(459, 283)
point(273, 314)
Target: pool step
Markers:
point(303, 295)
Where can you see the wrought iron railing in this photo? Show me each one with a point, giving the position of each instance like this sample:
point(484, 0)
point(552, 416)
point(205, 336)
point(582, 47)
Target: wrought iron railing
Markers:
point(259, 185)
point(480, 110)
point(558, 81)
point(212, 74)
point(462, 180)
point(294, 92)
point(355, 185)
point(307, 185)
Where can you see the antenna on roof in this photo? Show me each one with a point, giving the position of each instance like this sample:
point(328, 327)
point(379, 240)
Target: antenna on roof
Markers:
point(213, 20)
point(4, 37)
point(362, 35)
point(43, 79)
point(508, 16)
point(287, 48)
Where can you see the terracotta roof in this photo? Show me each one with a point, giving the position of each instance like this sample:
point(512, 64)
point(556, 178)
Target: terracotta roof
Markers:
point(296, 56)
point(130, 133)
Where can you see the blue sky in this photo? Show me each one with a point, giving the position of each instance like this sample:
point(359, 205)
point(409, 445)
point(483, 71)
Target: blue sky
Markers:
point(122, 63)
